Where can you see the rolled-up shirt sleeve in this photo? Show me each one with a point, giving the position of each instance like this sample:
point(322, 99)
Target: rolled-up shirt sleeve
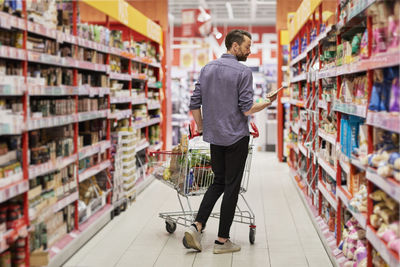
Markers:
point(195, 99)
point(246, 90)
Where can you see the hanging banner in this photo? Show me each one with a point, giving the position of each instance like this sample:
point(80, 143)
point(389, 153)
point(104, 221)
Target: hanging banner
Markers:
point(196, 22)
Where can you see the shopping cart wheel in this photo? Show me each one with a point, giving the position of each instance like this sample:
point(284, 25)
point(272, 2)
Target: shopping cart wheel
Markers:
point(185, 244)
point(170, 226)
point(252, 235)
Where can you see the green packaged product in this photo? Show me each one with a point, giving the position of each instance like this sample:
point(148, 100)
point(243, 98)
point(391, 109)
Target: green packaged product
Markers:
point(355, 44)
point(339, 55)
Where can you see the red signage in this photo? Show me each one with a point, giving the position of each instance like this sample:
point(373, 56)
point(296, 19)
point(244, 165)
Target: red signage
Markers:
point(196, 22)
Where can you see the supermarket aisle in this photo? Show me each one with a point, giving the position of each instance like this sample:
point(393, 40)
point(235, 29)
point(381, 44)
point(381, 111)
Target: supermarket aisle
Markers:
point(285, 235)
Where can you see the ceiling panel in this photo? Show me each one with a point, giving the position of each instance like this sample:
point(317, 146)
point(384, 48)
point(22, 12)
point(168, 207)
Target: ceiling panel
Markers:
point(250, 12)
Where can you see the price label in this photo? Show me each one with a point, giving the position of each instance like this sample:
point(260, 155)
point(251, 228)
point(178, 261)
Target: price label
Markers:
point(102, 91)
point(92, 92)
point(336, 252)
point(20, 23)
point(60, 37)
point(12, 52)
point(22, 187)
point(3, 51)
point(12, 191)
point(55, 249)
point(330, 239)
point(9, 22)
point(36, 28)
point(21, 54)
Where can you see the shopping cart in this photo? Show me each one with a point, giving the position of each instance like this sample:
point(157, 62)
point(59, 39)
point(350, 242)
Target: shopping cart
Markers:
point(187, 169)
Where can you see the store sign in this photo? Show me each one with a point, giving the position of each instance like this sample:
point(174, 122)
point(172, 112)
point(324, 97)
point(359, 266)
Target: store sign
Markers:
point(196, 22)
point(153, 30)
point(123, 12)
point(301, 16)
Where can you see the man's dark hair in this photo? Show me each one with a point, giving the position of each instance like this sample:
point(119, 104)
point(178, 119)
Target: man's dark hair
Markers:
point(235, 36)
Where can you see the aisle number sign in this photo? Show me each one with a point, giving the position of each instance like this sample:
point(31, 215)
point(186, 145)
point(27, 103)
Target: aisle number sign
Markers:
point(301, 16)
point(123, 12)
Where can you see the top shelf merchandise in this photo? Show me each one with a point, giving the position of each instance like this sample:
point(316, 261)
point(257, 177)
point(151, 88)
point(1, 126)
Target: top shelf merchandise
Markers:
point(348, 161)
point(64, 84)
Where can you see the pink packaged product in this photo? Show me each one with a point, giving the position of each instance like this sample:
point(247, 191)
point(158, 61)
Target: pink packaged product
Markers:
point(395, 245)
point(394, 28)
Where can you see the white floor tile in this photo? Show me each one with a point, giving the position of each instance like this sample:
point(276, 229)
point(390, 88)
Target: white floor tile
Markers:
point(176, 260)
point(285, 235)
point(209, 259)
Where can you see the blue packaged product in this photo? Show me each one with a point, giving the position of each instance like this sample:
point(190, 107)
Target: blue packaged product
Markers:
point(389, 74)
point(18, 5)
point(374, 103)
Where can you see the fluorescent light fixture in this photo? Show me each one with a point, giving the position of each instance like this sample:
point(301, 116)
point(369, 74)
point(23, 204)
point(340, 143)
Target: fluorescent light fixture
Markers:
point(230, 10)
point(270, 3)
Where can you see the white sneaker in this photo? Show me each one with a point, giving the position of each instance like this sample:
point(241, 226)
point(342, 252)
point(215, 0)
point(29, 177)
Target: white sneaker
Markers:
point(193, 238)
point(227, 247)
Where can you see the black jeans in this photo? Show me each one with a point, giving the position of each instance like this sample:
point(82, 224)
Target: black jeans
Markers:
point(228, 164)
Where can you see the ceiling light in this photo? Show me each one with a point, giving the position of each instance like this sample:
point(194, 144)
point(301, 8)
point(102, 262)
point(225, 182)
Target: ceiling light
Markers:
point(230, 10)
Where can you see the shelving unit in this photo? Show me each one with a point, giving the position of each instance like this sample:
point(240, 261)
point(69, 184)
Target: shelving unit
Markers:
point(84, 155)
point(316, 86)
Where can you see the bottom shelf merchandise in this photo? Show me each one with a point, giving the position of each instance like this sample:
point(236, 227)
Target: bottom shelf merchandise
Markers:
point(328, 214)
point(92, 195)
point(125, 141)
point(353, 243)
point(50, 212)
point(49, 228)
point(15, 256)
point(377, 260)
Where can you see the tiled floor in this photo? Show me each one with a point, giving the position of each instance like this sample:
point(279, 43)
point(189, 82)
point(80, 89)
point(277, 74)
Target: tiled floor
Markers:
point(285, 235)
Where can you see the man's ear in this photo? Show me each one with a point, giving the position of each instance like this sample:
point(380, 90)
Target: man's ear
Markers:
point(235, 46)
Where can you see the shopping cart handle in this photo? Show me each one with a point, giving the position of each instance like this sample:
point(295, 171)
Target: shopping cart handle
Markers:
point(255, 134)
point(193, 135)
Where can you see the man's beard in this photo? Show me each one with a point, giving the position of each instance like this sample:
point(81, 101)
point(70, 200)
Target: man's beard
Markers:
point(242, 57)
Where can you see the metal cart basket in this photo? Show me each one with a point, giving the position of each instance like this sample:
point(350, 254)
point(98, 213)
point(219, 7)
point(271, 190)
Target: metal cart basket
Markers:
point(188, 171)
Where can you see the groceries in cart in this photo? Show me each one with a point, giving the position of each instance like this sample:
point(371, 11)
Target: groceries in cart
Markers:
point(187, 167)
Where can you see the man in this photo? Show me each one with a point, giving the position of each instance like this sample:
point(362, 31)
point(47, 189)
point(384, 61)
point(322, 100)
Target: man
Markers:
point(224, 90)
